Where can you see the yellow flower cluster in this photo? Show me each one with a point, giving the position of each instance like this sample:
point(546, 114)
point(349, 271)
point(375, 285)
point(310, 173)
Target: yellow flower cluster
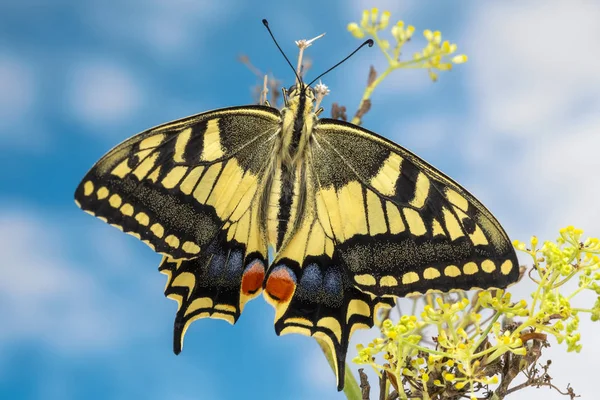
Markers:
point(370, 23)
point(435, 56)
point(468, 347)
point(402, 34)
point(500, 301)
point(406, 331)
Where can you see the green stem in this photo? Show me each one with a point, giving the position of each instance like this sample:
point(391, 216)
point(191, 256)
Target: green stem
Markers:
point(392, 65)
point(351, 388)
point(586, 310)
point(451, 328)
point(487, 330)
point(397, 50)
point(490, 350)
point(414, 306)
point(549, 330)
point(426, 349)
point(400, 362)
point(537, 291)
point(383, 49)
point(571, 275)
point(576, 292)
point(369, 90)
point(528, 322)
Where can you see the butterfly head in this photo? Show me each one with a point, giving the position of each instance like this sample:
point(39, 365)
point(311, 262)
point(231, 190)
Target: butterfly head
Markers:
point(301, 94)
point(301, 91)
point(301, 97)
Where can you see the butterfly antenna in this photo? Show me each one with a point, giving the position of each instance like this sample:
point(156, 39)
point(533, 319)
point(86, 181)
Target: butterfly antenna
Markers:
point(266, 24)
point(369, 42)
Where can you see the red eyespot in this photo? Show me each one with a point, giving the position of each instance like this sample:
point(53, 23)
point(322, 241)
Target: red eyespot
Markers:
point(253, 277)
point(281, 284)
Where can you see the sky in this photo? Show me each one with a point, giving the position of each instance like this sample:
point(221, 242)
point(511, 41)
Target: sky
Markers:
point(82, 314)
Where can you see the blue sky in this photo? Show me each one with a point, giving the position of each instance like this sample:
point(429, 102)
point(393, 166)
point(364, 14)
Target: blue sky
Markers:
point(81, 306)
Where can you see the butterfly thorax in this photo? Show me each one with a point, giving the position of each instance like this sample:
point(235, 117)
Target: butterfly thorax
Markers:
point(298, 119)
point(287, 190)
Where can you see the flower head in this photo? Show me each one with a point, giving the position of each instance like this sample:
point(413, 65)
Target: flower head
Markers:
point(320, 91)
point(304, 43)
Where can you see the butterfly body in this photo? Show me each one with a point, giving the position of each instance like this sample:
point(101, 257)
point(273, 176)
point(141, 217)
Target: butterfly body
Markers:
point(353, 219)
point(287, 190)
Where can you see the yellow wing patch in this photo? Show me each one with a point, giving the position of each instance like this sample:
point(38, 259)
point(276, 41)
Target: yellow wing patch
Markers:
point(389, 172)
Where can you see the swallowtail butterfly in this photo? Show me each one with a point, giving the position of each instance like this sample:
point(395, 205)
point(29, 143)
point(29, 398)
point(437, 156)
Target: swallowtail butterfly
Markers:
point(353, 219)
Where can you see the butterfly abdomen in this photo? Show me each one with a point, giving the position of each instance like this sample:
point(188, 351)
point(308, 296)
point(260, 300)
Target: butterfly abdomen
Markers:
point(285, 203)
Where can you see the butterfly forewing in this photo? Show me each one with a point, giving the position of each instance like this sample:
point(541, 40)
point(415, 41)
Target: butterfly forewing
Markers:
point(403, 226)
point(190, 190)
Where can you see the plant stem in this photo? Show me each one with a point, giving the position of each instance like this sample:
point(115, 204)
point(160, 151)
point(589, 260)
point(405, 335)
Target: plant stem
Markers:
point(351, 388)
point(393, 64)
point(487, 330)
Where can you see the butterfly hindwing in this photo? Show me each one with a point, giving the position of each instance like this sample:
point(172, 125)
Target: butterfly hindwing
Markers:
point(190, 189)
point(222, 279)
point(324, 304)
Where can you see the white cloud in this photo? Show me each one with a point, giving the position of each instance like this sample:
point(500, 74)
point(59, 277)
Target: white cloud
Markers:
point(45, 296)
point(102, 92)
point(18, 105)
point(565, 168)
point(53, 301)
point(531, 63)
point(17, 90)
point(73, 312)
point(534, 121)
point(114, 251)
point(162, 26)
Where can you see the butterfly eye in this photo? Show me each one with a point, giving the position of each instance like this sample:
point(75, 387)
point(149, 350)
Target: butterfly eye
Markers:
point(292, 89)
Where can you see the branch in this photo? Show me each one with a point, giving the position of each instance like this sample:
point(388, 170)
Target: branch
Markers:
point(364, 385)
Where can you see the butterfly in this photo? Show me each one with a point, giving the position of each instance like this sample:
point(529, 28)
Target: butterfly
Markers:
point(353, 220)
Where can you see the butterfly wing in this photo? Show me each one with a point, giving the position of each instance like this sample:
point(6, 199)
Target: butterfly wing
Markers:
point(190, 189)
point(401, 226)
point(379, 222)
